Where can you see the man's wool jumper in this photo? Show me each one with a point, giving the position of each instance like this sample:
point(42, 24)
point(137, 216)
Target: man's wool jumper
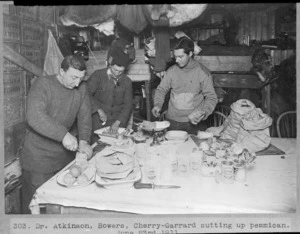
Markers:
point(191, 88)
point(52, 109)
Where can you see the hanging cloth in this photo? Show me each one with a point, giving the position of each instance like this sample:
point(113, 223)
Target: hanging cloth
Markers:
point(162, 44)
point(132, 17)
point(53, 57)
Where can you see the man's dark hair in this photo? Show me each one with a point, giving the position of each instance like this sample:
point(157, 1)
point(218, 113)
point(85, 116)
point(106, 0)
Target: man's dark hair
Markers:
point(186, 44)
point(74, 61)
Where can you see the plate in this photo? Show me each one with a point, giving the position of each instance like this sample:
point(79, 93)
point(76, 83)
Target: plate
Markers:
point(121, 183)
point(101, 130)
point(60, 180)
point(177, 135)
point(106, 138)
point(161, 126)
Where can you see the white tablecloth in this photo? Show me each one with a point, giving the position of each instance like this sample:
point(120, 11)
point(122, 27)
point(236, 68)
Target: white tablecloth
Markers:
point(270, 188)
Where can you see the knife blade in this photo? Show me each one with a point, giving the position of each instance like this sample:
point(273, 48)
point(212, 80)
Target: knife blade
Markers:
point(139, 185)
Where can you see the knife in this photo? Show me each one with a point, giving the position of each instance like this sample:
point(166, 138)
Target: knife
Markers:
point(139, 185)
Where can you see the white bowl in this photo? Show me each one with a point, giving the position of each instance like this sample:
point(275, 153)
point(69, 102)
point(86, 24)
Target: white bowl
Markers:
point(177, 135)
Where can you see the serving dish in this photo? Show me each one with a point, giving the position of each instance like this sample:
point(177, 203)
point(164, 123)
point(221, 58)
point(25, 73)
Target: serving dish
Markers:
point(176, 135)
point(108, 138)
point(127, 182)
point(154, 126)
point(60, 180)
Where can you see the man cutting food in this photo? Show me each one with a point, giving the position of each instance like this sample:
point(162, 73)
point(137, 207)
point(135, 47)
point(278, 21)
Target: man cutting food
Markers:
point(193, 97)
point(54, 104)
point(111, 93)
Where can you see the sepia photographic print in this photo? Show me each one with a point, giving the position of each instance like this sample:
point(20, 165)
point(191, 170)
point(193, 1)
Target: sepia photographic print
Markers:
point(149, 118)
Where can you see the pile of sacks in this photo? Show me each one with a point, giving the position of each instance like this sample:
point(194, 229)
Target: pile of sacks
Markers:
point(116, 166)
point(246, 125)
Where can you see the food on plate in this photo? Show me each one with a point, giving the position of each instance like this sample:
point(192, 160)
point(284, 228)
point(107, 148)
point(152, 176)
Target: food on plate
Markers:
point(204, 146)
point(204, 135)
point(220, 153)
point(124, 143)
point(75, 170)
point(69, 180)
point(236, 148)
point(149, 126)
point(86, 175)
point(81, 156)
point(82, 179)
point(115, 165)
point(107, 132)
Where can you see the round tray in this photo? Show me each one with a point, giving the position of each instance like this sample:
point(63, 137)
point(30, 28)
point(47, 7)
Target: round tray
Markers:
point(166, 125)
point(60, 180)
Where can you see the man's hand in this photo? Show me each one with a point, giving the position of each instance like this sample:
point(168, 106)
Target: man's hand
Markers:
point(196, 116)
point(84, 147)
point(70, 142)
point(102, 115)
point(115, 127)
point(155, 111)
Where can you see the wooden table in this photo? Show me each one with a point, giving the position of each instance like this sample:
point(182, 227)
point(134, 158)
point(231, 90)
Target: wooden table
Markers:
point(270, 188)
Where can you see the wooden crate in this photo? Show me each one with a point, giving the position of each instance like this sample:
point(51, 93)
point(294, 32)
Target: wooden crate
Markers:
point(11, 29)
point(13, 83)
point(34, 54)
point(32, 33)
point(14, 110)
point(27, 12)
point(13, 141)
point(226, 63)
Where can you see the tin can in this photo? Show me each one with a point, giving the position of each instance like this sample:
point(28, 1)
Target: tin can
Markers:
point(240, 172)
point(196, 161)
point(227, 172)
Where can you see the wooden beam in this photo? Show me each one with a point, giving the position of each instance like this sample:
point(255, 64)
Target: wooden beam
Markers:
point(242, 81)
point(16, 58)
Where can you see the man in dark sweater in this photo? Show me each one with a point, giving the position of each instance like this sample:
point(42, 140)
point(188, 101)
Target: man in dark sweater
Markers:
point(54, 104)
point(111, 94)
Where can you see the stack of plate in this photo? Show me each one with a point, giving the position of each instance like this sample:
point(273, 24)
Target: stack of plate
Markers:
point(117, 170)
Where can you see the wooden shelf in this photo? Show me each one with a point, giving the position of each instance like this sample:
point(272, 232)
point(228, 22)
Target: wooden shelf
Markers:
point(209, 27)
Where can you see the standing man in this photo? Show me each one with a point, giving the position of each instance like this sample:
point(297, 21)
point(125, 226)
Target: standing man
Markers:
point(192, 97)
point(111, 93)
point(54, 104)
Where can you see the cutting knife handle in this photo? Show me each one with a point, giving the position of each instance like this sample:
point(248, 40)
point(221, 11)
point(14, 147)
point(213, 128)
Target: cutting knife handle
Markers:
point(139, 185)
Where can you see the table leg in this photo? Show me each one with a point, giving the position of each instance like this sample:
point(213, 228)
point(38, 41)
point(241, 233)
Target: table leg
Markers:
point(148, 99)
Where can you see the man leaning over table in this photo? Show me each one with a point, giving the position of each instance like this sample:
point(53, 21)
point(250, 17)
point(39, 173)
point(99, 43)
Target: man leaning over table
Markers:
point(192, 97)
point(111, 93)
point(54, 105)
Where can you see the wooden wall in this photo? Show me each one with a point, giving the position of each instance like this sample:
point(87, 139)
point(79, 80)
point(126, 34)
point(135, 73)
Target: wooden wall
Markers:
point(25, 29)
point(259, 25)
